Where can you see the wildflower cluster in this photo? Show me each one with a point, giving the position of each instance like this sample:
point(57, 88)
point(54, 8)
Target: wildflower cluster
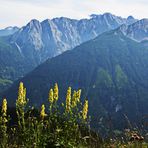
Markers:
point(58, 128)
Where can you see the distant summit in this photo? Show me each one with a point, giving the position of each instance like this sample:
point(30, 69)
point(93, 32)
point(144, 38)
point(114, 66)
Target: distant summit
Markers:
point(130, 17)
point(8, 31)
point(137, 31)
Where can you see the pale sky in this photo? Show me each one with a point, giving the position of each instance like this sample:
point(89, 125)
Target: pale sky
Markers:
point(20, 12)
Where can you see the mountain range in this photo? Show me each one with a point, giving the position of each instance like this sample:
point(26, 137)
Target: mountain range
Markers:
point(34, 43)
point(8, 31)
point(52, 37)
point(137, 31)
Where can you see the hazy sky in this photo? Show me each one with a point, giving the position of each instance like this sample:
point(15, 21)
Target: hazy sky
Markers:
point(20, 12)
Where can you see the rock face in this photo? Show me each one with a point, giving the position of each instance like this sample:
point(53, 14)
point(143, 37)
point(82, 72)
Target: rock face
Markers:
point(42, 40)
point(8, 31)
point(137, 31)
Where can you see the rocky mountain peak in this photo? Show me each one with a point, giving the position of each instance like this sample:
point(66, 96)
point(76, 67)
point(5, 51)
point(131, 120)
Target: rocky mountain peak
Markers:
point(9, 30)
point(130, 17)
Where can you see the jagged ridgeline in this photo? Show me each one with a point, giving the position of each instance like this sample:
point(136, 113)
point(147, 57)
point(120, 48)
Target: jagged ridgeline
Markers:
point(8, 31)
point(111, 70)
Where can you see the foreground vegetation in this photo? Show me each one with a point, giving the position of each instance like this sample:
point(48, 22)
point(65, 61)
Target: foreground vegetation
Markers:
point(65, 125)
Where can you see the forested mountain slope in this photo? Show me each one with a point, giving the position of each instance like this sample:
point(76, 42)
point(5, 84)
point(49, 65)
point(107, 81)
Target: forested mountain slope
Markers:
point(111, 69)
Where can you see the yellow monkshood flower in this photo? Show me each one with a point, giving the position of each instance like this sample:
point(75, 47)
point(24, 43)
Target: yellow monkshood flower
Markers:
point(42, 113)
point(85, 110)
point(24, 94)
point(55, 92)
point(50, 97)
point(21, 95)
point(4, 107)
point(74, 99)
point(68, 99)
point(78, 95)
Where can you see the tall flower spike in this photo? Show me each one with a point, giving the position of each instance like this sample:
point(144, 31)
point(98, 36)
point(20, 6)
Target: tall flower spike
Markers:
point(74, 99)
point(21, 95)
point(4, 107)
point(78, 95)
point(56, 92)
point(42, 113)
point(24, 95)
point(85, 110)
point(68, 99)
point(50, 97)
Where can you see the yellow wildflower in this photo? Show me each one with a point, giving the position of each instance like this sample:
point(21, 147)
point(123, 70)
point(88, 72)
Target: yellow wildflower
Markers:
point(68, 99)
point(42, 113)
point(74, 99)
point(78, 95)
point(21, 95)
point(24, 94)
point(85, 110)
point(56, 92)
point(4, 107)
point(50, 97)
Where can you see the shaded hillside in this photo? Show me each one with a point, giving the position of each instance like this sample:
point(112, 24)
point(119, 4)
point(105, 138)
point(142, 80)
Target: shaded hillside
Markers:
point(112, 69)
point(12, 64)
